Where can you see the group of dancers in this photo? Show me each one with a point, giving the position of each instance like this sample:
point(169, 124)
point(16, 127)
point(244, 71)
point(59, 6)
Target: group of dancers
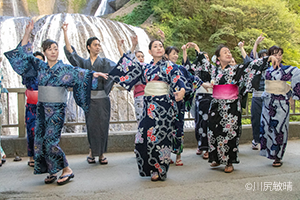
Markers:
point(163, 92)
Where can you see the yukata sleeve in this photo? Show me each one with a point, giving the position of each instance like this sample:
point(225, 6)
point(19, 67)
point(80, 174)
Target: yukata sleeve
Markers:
point(194, 83)
point(295, 82)
point(74, 58)
point(251, 73)
point(127, 73)
point(22, 60)
point(201, 65)
point(130, 55)
point(108, 84)
point(247, 59)
point(82, 82)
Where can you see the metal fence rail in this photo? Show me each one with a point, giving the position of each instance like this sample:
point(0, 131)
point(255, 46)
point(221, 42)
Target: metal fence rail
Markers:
point(14, 105)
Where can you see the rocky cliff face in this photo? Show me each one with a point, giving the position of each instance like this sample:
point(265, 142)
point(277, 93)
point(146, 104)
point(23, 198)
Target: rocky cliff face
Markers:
point(29, 8)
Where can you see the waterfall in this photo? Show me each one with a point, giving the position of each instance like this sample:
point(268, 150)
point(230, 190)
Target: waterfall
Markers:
point(15, 8)
point(80, 28)
point(104, 8)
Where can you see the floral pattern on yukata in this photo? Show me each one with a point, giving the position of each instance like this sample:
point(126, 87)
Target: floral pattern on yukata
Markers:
point(224, 116)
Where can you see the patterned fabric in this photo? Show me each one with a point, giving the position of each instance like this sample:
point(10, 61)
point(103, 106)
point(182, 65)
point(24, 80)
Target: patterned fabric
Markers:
point(29, 79)
point(153, 142)
point(30, 119)
point(192, 83)
point(49, 157)
point(224, 116)
point(139, 107)
point(202, 104)
point(201, 107)
point(275, 113)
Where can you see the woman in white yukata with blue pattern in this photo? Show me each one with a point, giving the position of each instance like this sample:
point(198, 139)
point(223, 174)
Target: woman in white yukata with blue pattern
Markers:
point(276, 107)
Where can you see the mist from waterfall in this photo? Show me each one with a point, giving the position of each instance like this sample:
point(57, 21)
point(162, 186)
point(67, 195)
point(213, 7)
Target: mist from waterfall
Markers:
point(80, 28)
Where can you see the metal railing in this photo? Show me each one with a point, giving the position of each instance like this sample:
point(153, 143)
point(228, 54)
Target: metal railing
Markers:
point(8, 104)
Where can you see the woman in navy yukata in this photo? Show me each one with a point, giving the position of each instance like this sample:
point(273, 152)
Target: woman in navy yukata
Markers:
point(229, 84)
point(156, 131)
point(192, 83)
point(53, 79)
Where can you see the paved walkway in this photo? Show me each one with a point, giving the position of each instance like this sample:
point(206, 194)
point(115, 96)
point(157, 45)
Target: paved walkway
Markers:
point(194, 180)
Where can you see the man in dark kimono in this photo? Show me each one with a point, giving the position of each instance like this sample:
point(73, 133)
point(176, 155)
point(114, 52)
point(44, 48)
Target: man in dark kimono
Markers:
point(97, 119)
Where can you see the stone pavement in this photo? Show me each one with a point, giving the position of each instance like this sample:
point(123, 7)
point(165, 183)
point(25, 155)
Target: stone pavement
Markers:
point(194, 180)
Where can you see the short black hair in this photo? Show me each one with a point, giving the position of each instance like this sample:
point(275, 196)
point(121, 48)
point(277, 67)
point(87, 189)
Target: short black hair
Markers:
point(90, 41)
point(217, 52)
point(274, 49)
point(47, 44)
point(38, 53)
point(261, 52)
point(150, 44)
point(169, 49)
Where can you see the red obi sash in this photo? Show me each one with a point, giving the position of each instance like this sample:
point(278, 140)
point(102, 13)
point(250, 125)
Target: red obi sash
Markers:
point(32, 96)
point(139, 90)
point(228, 91)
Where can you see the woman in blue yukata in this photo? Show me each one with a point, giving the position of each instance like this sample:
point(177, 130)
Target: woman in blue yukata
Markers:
point(156, 131)
point(276, 107)
point(171, 54)
point(229, 82)
point(53, 79)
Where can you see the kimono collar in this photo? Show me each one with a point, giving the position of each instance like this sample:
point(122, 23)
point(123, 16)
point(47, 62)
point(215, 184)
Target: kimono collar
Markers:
point(158, 63)
point(59, 63)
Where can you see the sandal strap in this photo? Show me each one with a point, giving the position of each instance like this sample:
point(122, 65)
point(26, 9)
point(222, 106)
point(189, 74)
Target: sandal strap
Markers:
point(65, 176)
point(51, 176)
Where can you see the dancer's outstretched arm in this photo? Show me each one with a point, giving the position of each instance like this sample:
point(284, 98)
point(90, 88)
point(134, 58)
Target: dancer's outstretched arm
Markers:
point(65, 29)
point(28, 30)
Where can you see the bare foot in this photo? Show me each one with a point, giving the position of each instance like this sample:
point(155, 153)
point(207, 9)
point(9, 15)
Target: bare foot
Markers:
point(67, 173)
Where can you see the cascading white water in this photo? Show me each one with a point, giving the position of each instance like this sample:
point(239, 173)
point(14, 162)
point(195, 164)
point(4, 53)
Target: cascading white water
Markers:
point(15, 8)
point(104, 8)
point(80, 28)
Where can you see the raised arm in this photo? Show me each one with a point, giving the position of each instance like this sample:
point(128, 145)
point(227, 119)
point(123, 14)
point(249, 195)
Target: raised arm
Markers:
point(70, 52)
point(67, 43)
point(184, 53)
point(193, 45)
point(134, 40)
point(161, 34)
point(258, 40)
point(241, 47)
point(21, 59)
point(28, 30)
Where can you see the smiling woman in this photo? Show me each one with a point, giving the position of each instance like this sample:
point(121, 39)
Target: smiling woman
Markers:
point(229, 82)
point(53, 78)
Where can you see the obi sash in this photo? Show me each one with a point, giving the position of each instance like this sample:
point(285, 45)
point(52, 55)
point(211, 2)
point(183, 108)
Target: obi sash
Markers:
point(138, 90)
point(32, 96)
point(98, 94)
point(227, 91)
point(156, 88)
point(277, 87)
point(52, 94)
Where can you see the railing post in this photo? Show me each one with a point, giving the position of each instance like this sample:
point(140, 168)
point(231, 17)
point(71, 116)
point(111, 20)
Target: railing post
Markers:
point(21, 114)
